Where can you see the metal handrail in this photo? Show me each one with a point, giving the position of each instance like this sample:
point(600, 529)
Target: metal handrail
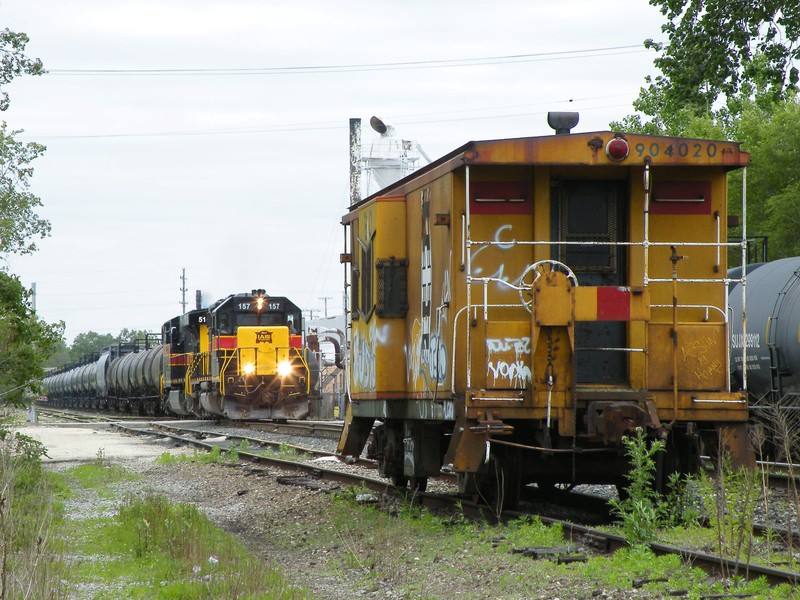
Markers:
point(646, 244)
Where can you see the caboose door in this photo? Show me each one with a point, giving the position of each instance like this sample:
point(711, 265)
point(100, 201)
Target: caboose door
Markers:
point(594, 212)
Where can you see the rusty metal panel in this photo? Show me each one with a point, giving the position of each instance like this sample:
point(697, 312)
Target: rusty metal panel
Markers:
point(378, 359)
point(552, 300)
point(588, 149)
point(701, 356)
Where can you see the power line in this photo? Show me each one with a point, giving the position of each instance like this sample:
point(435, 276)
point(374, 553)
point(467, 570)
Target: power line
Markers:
point(342, 68)
point(295, 127)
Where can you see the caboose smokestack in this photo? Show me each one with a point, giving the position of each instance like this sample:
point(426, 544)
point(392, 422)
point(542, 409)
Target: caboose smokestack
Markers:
point(562, 122)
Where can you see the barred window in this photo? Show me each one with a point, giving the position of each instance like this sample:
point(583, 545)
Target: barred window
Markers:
point(392, 275)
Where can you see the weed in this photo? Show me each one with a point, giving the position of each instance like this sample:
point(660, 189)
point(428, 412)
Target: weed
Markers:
point(729, 500)
point(30, 554)
point(639, 511)
point(154, 548)
point(94, 475)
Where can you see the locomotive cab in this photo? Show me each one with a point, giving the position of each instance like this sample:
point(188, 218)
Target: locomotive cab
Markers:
point(256, 366)
point(185, 340)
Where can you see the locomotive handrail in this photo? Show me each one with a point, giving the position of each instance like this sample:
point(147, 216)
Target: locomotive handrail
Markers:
point(464, 309)
point(227, 358)
point(595, 243)
point(687, 280)
point(294, 353)
point(613, 349)
point(706, 307)
point(197, 359)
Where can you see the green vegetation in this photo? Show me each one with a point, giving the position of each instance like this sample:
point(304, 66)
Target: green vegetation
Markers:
point(639, 511)
point(31, 510)
point(728, 70)
point(148, 548)
point(145, 546)
point(385, 542)
point(217, 455)
point(214, 456)
point(155, 549)
point(25, 341)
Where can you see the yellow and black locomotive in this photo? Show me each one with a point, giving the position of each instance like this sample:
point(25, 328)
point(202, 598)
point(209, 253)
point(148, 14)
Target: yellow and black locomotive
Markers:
point(519, 306)
point(242, 358)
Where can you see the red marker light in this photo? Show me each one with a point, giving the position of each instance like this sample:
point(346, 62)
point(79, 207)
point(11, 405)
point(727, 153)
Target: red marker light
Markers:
point(617, 149)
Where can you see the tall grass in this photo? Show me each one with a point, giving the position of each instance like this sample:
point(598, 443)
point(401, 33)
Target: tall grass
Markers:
point(201, 560)
point(31, 564)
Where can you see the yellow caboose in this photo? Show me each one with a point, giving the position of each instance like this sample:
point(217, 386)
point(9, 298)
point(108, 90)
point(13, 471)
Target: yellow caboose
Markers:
point(519, 306)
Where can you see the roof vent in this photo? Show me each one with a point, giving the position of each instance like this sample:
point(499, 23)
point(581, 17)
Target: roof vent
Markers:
point(562, 122)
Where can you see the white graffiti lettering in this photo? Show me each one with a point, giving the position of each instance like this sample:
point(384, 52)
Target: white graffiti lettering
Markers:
point(519, 345)
point(365, 356)
point(515, 374)
point(363, 363)
point(518, 374)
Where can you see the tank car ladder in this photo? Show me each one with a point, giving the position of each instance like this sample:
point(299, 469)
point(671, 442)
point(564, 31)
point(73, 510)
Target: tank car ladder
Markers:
point(777, 368)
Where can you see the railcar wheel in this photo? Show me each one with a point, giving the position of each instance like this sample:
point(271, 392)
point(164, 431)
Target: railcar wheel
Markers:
point(499, 486)
point(399, 481)
point(419, 484)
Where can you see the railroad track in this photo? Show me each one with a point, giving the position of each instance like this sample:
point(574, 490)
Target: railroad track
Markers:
point(593, 510)
point(85, 417)
point(316, 475)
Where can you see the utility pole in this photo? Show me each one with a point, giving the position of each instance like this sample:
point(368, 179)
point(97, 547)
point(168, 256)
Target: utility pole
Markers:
point(33, 296)
point(325, 300)
point(355, 161)
point(183, 289)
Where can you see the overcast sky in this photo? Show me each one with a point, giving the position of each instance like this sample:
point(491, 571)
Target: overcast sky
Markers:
point(228, 155)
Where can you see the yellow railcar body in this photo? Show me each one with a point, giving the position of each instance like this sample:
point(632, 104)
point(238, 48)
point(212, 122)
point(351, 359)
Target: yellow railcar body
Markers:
point(558, 297)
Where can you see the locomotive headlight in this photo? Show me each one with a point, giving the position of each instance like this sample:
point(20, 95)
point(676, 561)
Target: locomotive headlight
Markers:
point(248, 368)
point(284, 368)
point(260, 303)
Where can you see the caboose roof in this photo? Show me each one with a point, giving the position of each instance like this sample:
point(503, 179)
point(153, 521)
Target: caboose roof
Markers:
point(576, 149)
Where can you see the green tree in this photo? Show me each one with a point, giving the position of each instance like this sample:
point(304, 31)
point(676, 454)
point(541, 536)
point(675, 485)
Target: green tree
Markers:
point(772, 136)
point(18, 219)
point(132, 335)
point(13, 61)
point(25, 341)
point(728, 70)
point(88, 343)
point(19, 222)
point(728, 48)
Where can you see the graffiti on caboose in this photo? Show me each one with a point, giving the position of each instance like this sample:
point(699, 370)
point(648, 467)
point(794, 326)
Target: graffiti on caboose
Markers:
point(426, 357)
point(506, 364)
point(504, 240)
point(365, 354)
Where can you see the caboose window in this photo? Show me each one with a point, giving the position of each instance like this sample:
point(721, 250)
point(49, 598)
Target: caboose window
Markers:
point(589, 215)
point(392, 288)
point(500, 197)
point(365, 271)
point(366, 279)
point(355, 272)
